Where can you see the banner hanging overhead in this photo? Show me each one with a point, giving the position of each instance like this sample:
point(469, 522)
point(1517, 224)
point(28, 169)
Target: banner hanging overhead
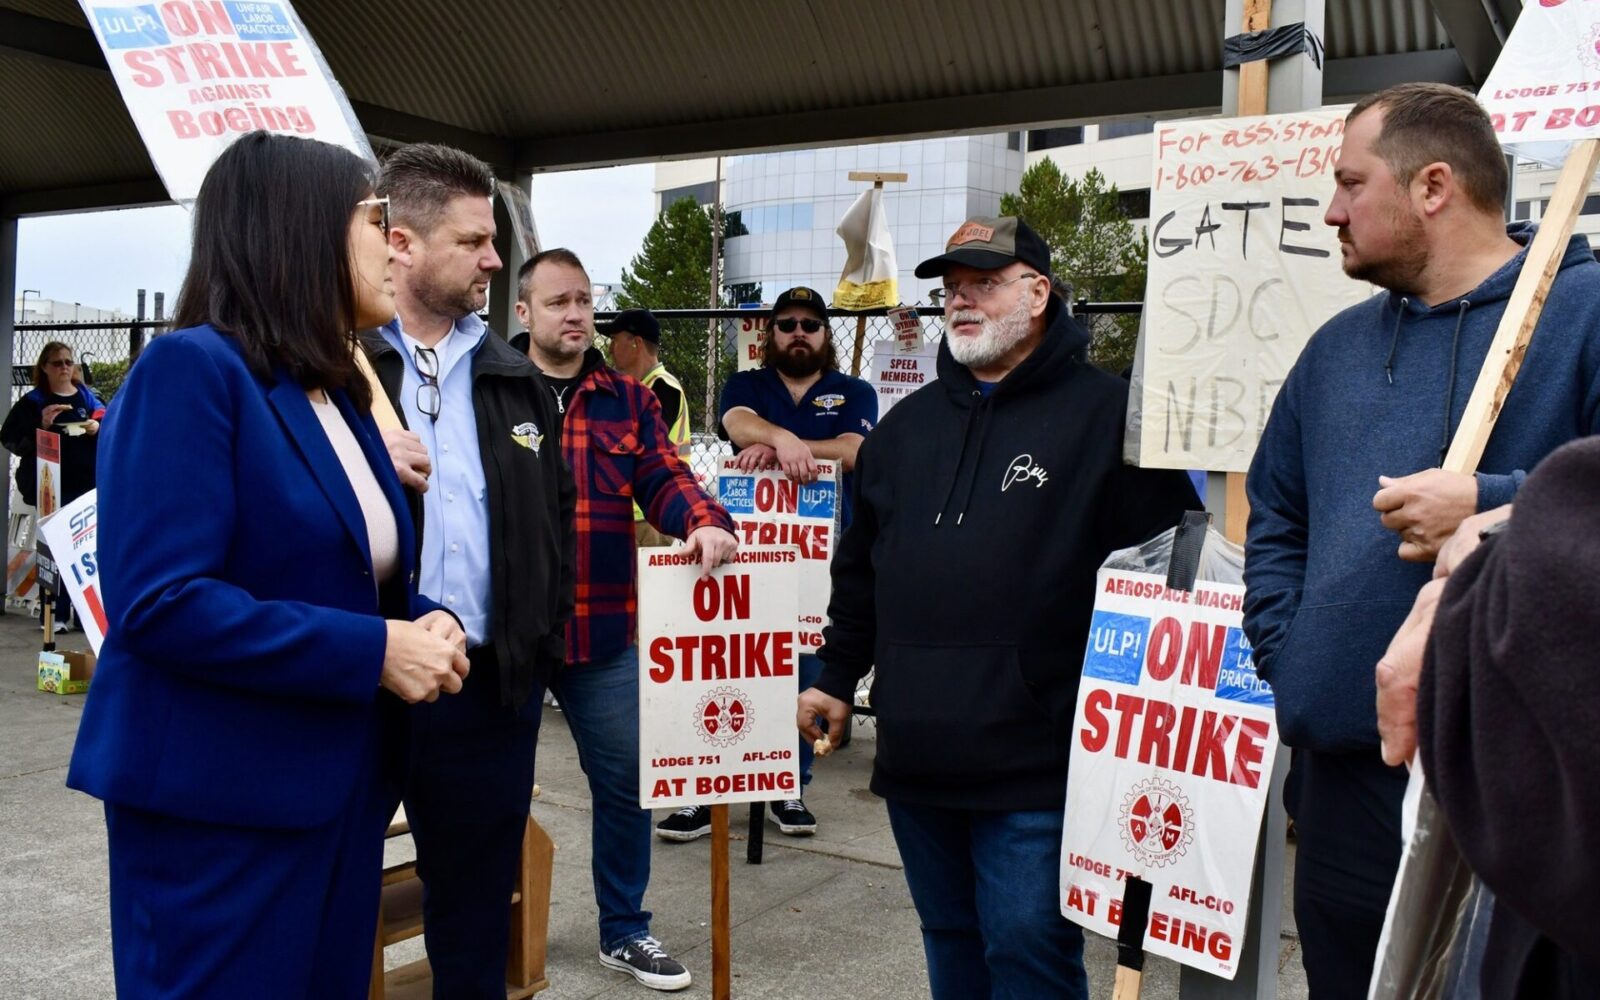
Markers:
point(196, 74)
point(1242, 271)
point(1544, 91)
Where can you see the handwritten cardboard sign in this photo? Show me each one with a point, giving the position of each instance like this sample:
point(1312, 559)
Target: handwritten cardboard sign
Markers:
point(1242, 271)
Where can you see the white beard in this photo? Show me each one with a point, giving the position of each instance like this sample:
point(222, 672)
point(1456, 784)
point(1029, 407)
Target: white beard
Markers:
point(997, 338)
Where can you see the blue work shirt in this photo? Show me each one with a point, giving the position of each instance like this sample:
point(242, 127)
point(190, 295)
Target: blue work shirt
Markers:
point(835, 404)
point(455, 511)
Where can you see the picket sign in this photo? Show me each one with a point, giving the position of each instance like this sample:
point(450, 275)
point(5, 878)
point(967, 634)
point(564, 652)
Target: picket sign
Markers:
point(71, 537)
point(718, 678)
point(1173, 747)
point(197, 74)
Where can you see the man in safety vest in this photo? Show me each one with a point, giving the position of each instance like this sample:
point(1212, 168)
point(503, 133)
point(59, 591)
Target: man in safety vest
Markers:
point(636, 350)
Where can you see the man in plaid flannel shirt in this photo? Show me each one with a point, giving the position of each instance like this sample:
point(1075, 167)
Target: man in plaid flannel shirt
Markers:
point(613, 437)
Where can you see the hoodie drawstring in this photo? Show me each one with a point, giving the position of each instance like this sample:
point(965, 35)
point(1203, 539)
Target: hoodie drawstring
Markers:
point(973, 416)
point(966, 435)
point(1450, 386)
point(977, 463)
point(1394, 342)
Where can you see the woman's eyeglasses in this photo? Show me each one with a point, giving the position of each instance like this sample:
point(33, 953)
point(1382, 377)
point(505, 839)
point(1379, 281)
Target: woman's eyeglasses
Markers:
point(808, 325)
point(382, 203)
point(60, 363)
point(429, 399)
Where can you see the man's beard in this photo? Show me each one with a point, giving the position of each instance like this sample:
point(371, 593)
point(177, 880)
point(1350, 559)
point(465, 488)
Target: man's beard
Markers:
point(997, 339)
point(456, 302)
point(556, 347)
point(1401, 270)
point(799, 361)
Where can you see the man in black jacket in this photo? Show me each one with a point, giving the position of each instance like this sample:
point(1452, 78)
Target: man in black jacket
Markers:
point(1492, 678)
point(985, 504)
point(494, 503)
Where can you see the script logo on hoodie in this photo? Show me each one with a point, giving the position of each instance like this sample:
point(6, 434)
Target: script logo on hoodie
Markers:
point(1023, 470)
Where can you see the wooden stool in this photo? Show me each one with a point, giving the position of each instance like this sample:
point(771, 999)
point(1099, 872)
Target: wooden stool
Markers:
point(400, 918)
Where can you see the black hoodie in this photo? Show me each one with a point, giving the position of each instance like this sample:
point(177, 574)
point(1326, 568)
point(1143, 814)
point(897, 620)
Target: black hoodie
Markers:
point(968, 573)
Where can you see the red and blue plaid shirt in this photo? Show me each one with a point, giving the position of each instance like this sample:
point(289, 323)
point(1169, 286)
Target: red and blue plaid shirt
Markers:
point(617, 444)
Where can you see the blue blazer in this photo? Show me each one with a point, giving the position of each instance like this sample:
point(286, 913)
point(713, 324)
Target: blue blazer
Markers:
point(238, 682)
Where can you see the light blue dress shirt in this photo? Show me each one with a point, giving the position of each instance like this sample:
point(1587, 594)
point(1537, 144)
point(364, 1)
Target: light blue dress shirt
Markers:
point(455, 511)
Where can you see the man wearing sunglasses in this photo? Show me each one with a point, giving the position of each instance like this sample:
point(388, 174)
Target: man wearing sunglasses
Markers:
point(796, 408)
point(494, 505)
point(985, 503)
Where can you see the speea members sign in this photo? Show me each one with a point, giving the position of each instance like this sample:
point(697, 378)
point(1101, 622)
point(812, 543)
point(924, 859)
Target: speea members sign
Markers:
point(1172, 752)
point(718, 678)
point(196, 74)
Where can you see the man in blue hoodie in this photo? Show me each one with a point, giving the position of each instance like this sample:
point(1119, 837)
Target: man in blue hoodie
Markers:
point(1348, 505)
point(985, 503)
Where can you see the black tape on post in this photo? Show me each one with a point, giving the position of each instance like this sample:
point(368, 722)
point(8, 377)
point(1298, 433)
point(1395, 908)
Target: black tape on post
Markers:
point(1273, 43)
point(1135, 914)
point(1187, 545)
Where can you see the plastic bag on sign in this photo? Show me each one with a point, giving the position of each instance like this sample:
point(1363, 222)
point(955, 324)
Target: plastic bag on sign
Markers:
point(1438, 919)
point(1220, 561)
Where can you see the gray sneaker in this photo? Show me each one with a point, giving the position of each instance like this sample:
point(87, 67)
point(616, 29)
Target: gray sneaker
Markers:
point(645, 960)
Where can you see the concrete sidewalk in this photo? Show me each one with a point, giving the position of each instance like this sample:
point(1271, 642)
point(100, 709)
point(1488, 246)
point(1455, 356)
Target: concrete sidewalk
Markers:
point(825, 916)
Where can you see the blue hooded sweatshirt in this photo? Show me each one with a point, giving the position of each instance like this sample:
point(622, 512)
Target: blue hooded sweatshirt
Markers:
point(1380, 390)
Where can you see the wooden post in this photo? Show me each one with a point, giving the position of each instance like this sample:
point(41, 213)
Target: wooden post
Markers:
point(1252, 101)
point(877, 179)
point(721, 960)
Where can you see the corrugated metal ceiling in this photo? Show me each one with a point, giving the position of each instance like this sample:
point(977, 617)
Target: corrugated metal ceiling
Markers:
point(555, 73)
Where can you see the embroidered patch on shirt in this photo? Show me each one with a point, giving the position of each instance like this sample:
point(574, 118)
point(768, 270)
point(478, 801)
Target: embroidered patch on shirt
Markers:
point(527, 435)
point(829, 401)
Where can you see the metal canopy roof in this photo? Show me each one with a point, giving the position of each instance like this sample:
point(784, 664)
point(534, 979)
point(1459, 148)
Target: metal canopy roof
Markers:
point(559, 84)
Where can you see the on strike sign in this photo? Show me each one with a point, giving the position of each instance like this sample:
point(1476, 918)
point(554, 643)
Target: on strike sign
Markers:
point(769, 508)
point(718, 678)
point(197, 73)
point(72, 536)
point(1172, 753)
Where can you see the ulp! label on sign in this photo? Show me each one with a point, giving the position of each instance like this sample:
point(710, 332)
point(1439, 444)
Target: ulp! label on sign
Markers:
point(1116, 647)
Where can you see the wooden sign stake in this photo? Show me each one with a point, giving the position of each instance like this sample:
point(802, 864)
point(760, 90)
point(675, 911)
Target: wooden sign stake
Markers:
point(721, 959)
point(1510, 343)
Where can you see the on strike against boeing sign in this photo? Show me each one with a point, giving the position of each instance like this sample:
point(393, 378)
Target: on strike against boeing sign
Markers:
point(195, 74)
point(1172, 751)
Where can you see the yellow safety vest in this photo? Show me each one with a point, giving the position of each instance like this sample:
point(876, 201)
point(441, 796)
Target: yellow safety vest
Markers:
point(678, 433)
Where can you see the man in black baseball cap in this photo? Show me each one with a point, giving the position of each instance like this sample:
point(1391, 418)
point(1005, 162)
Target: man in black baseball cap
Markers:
point(985, 503)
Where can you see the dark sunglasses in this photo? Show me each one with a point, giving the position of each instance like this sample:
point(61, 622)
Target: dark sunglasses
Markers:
point(808, 325)
point(428, 396)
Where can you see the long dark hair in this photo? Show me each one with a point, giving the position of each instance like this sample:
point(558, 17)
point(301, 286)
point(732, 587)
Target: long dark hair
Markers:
point(271, 258)
point(40, 378)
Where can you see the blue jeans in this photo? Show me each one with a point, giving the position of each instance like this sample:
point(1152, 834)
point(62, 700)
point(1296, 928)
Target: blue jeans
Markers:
point(810, 670)
point(601, 703)
point(987, 890)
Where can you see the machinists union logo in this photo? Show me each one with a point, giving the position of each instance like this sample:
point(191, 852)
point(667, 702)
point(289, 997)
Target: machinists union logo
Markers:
point(1156, 821)
point(829, 401)
point(723, 716)
point(1589, 48)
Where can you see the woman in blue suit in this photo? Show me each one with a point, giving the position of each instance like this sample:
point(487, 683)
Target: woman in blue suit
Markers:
point(255, 557)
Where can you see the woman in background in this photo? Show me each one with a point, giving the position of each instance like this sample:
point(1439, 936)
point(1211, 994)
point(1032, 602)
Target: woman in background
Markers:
point(60, 402)
point(255, 556)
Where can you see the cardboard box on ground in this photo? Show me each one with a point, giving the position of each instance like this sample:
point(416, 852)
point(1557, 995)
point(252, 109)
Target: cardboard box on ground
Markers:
point(65, 672)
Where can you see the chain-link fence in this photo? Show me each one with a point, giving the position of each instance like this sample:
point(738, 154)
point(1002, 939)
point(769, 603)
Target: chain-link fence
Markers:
point(701, 347)
point(103, 350)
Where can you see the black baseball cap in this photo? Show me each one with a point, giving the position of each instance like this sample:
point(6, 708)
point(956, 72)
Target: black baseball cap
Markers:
point(802, 297)
point(639, 322)
point(988, 244)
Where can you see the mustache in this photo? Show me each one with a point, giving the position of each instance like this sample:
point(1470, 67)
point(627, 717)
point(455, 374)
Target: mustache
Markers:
point(966, 316)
